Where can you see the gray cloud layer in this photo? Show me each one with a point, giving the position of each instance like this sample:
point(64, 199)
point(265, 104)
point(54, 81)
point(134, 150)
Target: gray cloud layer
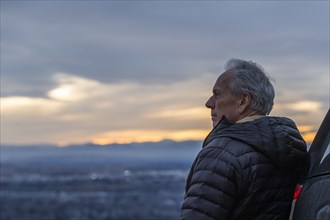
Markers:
point(154, 41)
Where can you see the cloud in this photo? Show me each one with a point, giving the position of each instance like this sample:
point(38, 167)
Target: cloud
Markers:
point(72, 88)
point(300, 106)
point(78, 109)
point(181, 113)
point(29, 106)
point(305, 106)
point(307, 114)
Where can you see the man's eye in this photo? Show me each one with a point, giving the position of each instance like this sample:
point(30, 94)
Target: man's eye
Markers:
point(216, 93)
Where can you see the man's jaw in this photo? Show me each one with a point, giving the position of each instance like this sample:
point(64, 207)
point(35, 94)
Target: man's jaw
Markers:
point(215, 119)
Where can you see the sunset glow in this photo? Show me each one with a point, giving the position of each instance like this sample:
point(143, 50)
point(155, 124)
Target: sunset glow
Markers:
point(124, 137)
point(309, 137)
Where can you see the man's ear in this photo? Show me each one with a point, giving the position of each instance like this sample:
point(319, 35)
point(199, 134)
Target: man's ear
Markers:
point(244, 102)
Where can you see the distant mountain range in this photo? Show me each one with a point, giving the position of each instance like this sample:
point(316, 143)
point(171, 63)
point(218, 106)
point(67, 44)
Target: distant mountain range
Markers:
point(160, 152)
point(163, 143)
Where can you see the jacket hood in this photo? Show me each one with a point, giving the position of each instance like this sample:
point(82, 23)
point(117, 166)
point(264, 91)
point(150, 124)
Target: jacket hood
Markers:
point(276, 137)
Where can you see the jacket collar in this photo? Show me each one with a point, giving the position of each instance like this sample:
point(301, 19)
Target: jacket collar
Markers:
point(223, 123)
point(250, 118)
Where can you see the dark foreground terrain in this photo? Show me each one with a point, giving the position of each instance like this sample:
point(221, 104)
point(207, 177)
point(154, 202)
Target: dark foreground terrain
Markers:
point(84, 183)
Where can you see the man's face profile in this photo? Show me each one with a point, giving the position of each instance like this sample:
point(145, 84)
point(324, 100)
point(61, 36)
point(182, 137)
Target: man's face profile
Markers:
point(223, 102)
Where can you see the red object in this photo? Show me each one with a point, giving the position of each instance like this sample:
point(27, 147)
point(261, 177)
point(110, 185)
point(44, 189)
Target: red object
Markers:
point(297, 191)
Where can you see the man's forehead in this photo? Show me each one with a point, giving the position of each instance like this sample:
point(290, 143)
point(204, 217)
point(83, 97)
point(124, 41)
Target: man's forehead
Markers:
point(224, 79)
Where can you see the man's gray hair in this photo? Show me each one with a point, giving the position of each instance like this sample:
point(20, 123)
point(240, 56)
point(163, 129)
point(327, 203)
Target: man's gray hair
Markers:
point(251, 78)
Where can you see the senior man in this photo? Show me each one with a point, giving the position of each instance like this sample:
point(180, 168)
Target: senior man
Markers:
point(250, 162)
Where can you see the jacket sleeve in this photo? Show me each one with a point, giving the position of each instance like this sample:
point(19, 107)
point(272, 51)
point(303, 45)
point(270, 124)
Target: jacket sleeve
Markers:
point(212, 186)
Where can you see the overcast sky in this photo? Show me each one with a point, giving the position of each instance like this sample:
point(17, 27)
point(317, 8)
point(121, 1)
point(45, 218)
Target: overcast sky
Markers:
point(123, 71)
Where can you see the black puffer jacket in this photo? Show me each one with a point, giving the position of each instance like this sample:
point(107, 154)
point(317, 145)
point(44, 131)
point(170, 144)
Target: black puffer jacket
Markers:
point(246, 171)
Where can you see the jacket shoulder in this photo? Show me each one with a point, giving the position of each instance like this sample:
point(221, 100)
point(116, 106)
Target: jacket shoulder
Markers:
point(212, 186)
point(241, 156)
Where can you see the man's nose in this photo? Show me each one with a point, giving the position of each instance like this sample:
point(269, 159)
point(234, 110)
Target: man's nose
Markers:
point(210, 102)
